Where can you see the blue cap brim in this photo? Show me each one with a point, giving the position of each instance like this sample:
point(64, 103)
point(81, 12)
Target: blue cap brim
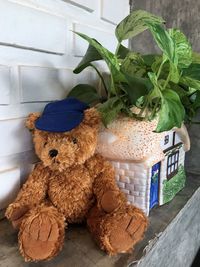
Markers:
point(64, 122)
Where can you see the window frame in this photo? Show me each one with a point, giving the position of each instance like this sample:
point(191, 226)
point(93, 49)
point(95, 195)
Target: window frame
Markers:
point(172, 164)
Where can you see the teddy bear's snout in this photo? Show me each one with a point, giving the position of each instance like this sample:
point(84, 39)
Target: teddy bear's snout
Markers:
point(53, 153)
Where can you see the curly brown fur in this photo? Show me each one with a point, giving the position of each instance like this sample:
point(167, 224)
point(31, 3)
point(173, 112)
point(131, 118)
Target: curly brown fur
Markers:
point(118, 231)
point(73, 186)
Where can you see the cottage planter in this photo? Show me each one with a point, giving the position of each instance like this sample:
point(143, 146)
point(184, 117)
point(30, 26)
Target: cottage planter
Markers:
point(149, 166)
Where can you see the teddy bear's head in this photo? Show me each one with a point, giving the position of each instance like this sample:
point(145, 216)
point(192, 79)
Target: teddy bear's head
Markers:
point(60, 146)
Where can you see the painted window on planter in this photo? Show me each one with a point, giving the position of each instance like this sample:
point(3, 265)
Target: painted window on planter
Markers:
point(166, 139)
point(172, 164)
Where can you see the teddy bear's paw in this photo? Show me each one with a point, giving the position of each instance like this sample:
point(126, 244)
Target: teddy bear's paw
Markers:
point(126, 230)
point(111, 200)
point(41, 236)
point(15, 213)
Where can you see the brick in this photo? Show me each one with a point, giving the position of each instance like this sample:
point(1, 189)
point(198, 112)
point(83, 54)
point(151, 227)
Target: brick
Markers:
point(15, 138)
point(117, 177)
point(9, 186)
point(137, 181)
point(140, 200)
point(115, 164)
point(5, 86)
point(129, 173)
point(120, 12)
point(130, 187)
point(140, 188)
point(130, 198)
point(89, 5)
point(121, 185)
point(125, 191)
point(119, 172)
point(31, 28)
point(51, 84)
point(134, 193)
point(124, 166)
point(142, 194)
point(141, 174)
point(124, 179)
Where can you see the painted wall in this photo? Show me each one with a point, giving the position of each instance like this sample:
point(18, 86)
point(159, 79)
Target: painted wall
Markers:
point(38, 52)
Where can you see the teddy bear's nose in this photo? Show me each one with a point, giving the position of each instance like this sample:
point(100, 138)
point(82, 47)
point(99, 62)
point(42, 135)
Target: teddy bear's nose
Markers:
point(53, 153)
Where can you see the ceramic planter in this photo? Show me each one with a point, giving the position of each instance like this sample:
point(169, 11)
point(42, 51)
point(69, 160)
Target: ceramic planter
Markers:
point(149, 166)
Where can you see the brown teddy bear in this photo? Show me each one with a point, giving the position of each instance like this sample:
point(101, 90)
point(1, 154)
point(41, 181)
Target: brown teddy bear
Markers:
point(71, 184)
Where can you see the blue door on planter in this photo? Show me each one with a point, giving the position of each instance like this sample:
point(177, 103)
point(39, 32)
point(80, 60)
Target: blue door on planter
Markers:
point(154, 190)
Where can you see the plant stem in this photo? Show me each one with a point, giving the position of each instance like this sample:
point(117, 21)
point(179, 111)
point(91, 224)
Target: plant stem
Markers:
point(167, 81)
point(101, 77)
point(159, 70)
point(117, 49)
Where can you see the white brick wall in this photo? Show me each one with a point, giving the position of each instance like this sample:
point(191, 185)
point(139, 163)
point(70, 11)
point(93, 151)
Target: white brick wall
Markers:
point(134, 180)
point(37, 55)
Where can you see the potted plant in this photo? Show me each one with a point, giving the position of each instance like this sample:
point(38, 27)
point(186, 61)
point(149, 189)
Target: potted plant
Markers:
point(145, 101)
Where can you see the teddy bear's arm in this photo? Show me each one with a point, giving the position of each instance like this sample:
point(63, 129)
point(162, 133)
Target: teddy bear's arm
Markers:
point(107, 193)
point(31, 193)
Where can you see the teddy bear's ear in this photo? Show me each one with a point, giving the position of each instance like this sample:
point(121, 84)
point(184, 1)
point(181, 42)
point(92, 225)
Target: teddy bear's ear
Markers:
point(30, 121)
point(92, 117)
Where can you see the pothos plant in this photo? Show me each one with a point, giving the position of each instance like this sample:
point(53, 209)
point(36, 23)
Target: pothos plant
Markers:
point(166, 85)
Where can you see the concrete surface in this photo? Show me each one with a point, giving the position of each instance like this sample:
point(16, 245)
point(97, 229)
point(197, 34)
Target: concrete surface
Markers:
point(172, 228)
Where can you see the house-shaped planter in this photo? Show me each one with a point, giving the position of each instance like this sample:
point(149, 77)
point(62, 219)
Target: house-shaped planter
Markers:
point(149, 166)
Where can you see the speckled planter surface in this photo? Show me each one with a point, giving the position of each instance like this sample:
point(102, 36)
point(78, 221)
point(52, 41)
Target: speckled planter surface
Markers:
point(149, 166)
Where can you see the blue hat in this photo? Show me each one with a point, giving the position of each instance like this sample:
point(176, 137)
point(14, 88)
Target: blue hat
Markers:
point(61, 116)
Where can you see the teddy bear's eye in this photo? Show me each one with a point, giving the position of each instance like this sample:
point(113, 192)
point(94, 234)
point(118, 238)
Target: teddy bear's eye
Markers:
point(74, 140)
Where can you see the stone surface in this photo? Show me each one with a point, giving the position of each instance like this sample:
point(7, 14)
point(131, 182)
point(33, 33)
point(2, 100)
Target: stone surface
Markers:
point(180, 216)
point(192, 157)
point(178, 14)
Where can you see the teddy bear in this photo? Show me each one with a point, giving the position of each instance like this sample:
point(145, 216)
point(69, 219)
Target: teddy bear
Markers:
point(71, 184)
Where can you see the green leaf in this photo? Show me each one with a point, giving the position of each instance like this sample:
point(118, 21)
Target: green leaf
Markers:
point(196, 101)
point(183, 48)
point(189, 82)
point(160, 66)
point(182, 92)
point(172, 112)
point(174, 73)
point(195, 57)
point(155, 95)
point(85, 93)
point(110, 109)
point(134, 24)
point(133, 64)
point(91, 55)
point(109, 58)
point(150, 59)
point(193, 71)
point(122, 51)
point(164, 41)
point(136, 87)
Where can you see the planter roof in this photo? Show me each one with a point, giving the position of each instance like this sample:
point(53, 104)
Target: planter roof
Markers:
point(131, 140)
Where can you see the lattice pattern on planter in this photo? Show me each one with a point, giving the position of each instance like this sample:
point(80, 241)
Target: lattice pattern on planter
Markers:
point(132, 179)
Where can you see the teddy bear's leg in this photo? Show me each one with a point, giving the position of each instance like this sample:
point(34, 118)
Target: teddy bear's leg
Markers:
point(119, 231)
point(41, 234)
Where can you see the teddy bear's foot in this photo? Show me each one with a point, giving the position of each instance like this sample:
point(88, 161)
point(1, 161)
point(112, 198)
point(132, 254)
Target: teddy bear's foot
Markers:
point(119, 231)
point(41, 234)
